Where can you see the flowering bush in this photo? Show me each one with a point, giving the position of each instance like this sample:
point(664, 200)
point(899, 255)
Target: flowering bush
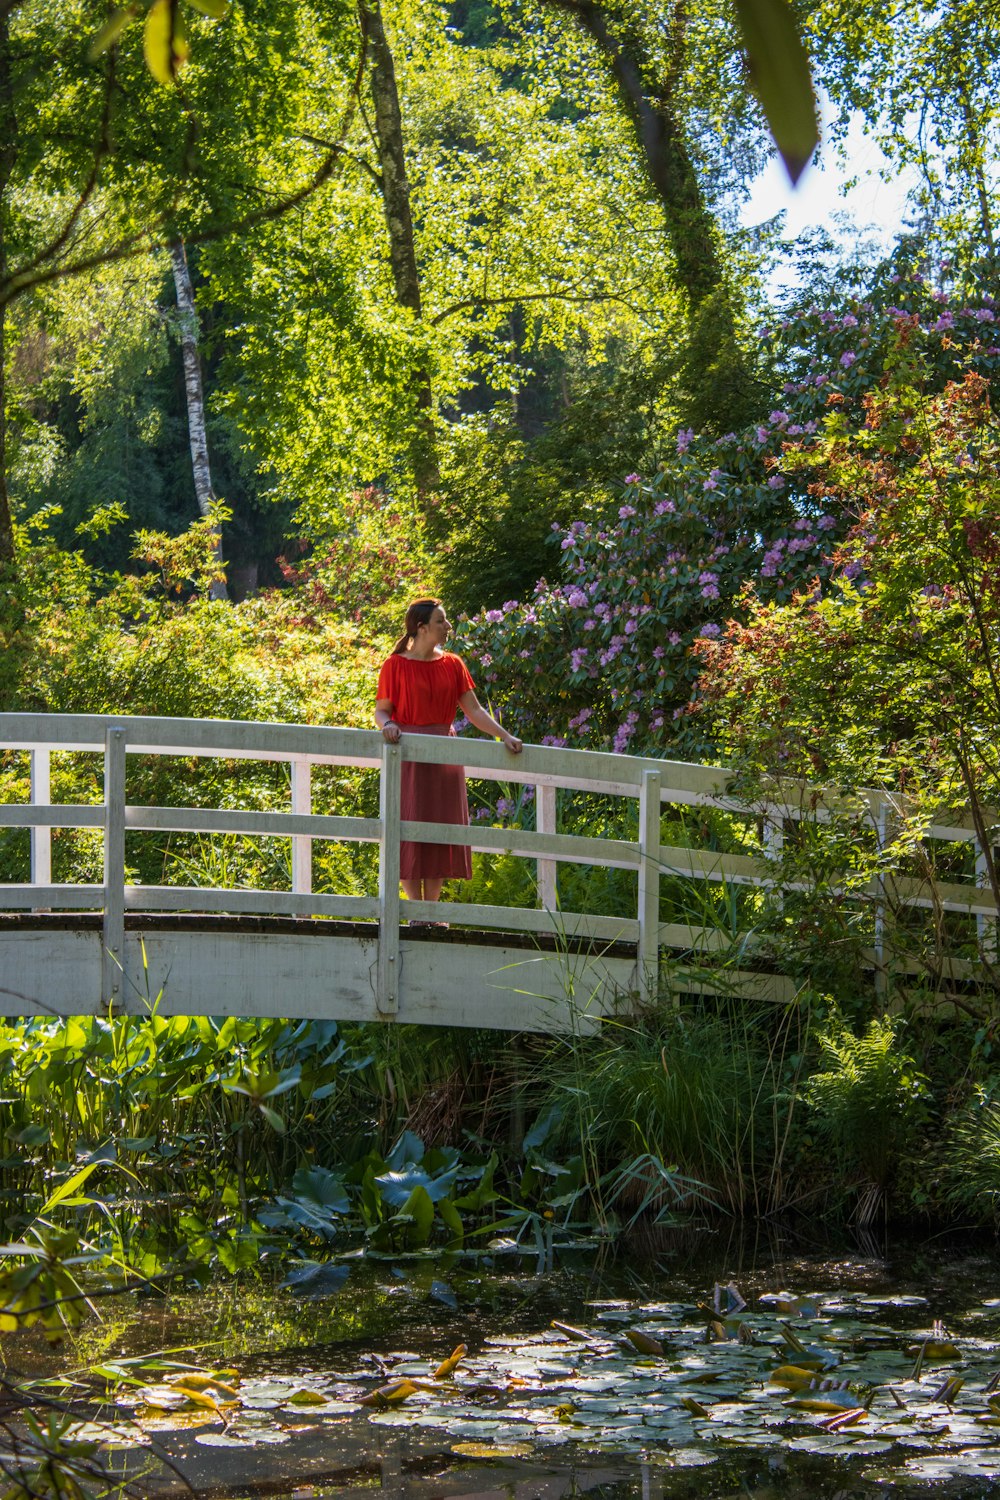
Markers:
point(604, 656)
point(369, 571)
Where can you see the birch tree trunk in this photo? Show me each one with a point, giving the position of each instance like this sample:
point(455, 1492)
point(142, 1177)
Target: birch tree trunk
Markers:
point(188, 324)
point(8, 152)
point(399, 223)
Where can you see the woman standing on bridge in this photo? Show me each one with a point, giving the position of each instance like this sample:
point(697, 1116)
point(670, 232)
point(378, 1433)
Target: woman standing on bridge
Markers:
point(420, 688)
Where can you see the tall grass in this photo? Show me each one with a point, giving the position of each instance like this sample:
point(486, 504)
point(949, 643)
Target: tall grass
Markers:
point(709, 1092)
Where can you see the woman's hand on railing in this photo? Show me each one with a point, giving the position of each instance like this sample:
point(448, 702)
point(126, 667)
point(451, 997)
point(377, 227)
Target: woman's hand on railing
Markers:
point(512, 742)
point(391, 732)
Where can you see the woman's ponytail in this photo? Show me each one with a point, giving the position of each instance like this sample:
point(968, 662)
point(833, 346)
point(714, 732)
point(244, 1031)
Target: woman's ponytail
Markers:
point(419, 613)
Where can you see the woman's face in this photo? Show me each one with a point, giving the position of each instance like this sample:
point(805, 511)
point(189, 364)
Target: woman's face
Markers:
point(438, 627)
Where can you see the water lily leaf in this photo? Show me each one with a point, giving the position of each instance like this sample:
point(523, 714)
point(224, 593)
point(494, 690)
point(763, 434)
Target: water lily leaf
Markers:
point(644, 1342)
point(793, 1377)
point(306, 1397)
point(450, 1365)
point(242, 1439)
point(832, 1401)
point(493, 1450)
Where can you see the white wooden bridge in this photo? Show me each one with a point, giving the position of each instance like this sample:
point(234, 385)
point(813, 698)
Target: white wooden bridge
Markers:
point(72, 949)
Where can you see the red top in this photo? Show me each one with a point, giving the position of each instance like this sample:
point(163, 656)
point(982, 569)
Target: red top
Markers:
point(424, 692)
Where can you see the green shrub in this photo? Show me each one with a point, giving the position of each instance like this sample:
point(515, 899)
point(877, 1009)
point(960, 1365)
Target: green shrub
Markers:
point(870, 1098)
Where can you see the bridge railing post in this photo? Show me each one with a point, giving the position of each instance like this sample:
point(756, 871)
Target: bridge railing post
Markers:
point(387, 966)
point(41, 838)
point(546, 869)
point(881, 819)
point(113, 934)
point(648, 951)
point(301, 844)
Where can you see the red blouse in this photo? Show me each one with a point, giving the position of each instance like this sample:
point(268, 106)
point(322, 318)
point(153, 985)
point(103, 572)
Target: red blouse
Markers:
point(424, 692)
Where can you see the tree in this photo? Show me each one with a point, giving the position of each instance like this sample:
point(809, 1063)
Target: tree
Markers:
point(925, 79)
point(187, 321)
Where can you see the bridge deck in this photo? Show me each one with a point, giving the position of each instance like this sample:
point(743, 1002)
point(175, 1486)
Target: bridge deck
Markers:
point(70, 948)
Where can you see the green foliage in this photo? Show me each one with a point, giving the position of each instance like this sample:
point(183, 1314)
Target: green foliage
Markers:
point(705, 1093)
point(870, 1099)
point(972, 1158)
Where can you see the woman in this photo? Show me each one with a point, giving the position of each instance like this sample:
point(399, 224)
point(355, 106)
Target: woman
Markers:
point(420, 687)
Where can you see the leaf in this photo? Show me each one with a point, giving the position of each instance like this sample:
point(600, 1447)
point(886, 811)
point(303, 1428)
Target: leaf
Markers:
point(69, 1187)
point(779, 67)
point(407, 1151)
point(392, 1394)
point(164, 43)
point(542, 1128)
point(396, 1187)
point(313, 1280)
point(111, 31)
point(572, 1333)
point(319, 1185)
point(217, 10)
point(272, 1117)
point(420, 1208)
point(643, 1341)
point(449, 1365)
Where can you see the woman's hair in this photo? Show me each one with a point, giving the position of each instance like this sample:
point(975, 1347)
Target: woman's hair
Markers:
point(419, 613)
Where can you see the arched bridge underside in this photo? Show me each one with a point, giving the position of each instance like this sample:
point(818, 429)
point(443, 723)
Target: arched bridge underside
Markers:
point(208, 945)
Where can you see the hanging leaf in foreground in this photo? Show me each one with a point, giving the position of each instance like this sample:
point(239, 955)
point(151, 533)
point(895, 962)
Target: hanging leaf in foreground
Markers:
point(779, 68)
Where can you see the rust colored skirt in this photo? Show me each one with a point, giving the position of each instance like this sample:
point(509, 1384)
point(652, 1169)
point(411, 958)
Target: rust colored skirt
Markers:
point(433, 794)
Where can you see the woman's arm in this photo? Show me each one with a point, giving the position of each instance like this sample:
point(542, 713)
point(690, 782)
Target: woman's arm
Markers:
point(383, 718)
point(477, 715)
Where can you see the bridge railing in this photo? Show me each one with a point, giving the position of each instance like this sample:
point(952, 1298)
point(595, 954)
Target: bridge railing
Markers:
point(650, 782)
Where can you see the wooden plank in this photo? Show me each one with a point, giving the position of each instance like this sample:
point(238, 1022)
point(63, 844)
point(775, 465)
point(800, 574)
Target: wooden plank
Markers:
point(611, 853)
point(546, 869)
point(41, 837)
point(387, 968)
point(647, 957)
point(266, 903)
point(113, 938)
point(62, 815)
point(52, 897)
point(301, 807)
point(526, 919)
point(306, 826)
point(744, 984)
point(686, 936)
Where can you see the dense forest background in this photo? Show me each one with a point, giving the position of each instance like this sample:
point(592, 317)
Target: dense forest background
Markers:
point(512, 285)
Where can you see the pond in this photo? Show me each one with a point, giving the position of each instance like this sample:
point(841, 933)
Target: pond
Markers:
point(686, 1364)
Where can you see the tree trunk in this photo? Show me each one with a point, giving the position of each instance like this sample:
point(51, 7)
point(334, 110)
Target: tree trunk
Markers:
point(8, 154)
point(188, 324)
point(399, 223)
point(715, 371)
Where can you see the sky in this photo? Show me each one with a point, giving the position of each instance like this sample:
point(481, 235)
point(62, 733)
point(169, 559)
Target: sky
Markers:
point(819, 196)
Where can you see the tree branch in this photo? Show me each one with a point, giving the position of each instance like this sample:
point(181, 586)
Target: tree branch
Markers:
point(514, 297)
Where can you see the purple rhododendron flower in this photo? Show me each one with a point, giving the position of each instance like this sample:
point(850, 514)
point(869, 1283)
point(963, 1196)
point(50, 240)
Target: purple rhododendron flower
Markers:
point(710, 632)
point(632, 478)
point(848, 358)
point(776, 482)
point(625, 511)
